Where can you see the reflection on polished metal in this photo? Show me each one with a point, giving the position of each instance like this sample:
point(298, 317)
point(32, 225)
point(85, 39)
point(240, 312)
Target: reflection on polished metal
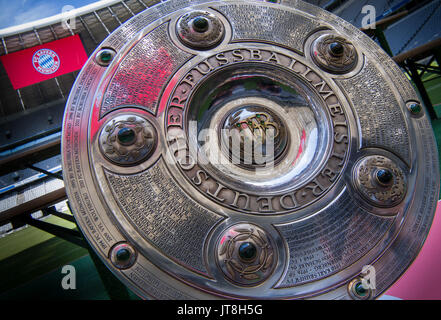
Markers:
point(241, 149)
point(252, 127)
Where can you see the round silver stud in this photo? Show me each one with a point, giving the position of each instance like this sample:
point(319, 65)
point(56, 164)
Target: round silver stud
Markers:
point(246, 255)
point(200, 30)
point(358, 291)
point(415, 109)
point(105, 56)
point(334, 54)
point(380, 181)
point(127, 140)
point(123, 256)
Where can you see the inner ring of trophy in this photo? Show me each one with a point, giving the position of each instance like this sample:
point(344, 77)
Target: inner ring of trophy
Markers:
point(252, 133)
point(258, 128)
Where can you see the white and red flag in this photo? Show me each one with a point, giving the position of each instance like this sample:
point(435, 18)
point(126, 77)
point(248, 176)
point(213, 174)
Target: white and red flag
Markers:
point(43, 62)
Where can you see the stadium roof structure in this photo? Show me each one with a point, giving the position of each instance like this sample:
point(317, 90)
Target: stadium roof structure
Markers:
point(93, 23)
point(58, 18)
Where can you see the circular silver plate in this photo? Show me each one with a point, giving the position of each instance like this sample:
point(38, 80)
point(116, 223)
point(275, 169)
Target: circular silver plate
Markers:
point(236, 149)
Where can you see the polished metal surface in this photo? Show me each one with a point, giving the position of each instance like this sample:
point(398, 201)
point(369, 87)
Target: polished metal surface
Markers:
point(200, 29)
point(334, 53)
point(248, 149)
point(380, 181)
point(127, 139)
point(246, 255)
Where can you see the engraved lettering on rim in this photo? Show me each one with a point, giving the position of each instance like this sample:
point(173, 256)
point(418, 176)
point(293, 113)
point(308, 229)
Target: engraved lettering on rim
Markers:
point(244, 200)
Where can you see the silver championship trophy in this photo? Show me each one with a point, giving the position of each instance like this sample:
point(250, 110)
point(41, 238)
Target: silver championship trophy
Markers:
point(248, 150)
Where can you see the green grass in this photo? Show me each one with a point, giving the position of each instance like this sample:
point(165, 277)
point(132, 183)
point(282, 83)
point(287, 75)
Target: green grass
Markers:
point(21, 240)
point(31, 261)
point(35, 272)
point(36, 260)
point(48, 285)
point(28, 253)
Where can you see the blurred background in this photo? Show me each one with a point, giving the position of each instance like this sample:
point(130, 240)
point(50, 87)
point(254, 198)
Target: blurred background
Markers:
point(38, 234)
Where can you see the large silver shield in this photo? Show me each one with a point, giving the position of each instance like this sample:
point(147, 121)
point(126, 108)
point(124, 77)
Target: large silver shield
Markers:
point(248, 149)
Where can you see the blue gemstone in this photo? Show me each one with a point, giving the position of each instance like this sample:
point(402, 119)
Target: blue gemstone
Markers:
point(384, 176)
point(200, 24)
point(360, 290)
point(126, 136)
point(247, 251)
point(123, 254)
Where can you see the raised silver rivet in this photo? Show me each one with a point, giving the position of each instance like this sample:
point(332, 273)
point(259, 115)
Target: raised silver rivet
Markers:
point(127, 140)
point(415, 108)
point(334, 54)
point(246, 255)
point(123, 256)
point(380, 181)
point(200, 30)
point(358, 291)
point(105, 56)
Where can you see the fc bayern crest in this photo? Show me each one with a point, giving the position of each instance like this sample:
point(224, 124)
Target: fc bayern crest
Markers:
point(46, 61)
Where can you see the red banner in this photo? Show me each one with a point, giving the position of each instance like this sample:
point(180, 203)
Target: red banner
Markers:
point(43, 62)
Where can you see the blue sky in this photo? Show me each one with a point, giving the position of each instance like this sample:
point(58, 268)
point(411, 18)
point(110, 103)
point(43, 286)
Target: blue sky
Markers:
point(15, 12)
